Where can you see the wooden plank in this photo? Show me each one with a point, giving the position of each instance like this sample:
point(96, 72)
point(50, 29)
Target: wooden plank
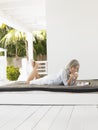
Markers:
point(4, 111)
point(21, 114)
point(38, 97)
point(84, 118)
point(56, 119)
point(90, 121)
point(63, 118)
point(34, 119)
point(8, 113)
point(48, 119)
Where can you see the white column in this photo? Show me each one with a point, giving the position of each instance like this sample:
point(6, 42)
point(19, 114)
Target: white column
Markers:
point(26, 68)
point(29, 37)
point(3, 65)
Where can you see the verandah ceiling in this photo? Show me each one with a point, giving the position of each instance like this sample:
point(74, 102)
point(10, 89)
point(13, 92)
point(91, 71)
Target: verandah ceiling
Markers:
point(25, 15)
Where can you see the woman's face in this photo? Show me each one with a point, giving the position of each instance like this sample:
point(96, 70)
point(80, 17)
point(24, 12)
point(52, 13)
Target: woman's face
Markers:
point(74, 69)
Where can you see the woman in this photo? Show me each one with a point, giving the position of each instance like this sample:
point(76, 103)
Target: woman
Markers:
point(66, 76)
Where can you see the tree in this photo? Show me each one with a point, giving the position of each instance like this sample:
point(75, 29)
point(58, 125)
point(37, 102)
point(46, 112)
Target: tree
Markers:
point(4, 30)
point(15, 42)
point(40, 46)
point(12, 41)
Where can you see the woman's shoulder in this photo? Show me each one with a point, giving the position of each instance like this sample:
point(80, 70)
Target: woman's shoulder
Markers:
point(65, 71)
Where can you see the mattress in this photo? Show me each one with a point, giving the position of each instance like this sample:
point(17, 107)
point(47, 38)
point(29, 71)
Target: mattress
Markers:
point(82, 86)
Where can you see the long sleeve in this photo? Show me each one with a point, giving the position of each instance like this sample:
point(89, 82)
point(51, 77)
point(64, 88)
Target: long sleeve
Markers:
point(65, 77)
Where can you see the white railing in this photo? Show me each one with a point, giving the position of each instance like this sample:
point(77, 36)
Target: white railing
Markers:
point(26, 69)
point(42, 67)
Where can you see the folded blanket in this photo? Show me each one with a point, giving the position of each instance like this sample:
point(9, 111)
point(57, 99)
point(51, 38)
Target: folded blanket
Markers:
point(82, 86)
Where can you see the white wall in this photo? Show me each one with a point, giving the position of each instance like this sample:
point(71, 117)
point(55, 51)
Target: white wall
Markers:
point(72, 28)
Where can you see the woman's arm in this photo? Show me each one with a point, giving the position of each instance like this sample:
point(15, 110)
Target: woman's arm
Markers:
point(65, 77)
point(69, 79)
point(72, 79)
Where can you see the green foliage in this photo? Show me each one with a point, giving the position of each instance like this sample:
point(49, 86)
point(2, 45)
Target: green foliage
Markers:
point(12, 37)
point(40, 46)
point(21, 49)
point(3, 30)
point(15, 42)
point(12, 73)
point(1, 53)
point(11, 50)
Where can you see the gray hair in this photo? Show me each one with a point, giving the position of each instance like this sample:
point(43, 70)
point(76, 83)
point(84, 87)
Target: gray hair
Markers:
point(73, 63)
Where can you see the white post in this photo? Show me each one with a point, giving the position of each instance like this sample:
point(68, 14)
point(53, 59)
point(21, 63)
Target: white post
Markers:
point(26, 64)
point(29, 38)
point(3, 64)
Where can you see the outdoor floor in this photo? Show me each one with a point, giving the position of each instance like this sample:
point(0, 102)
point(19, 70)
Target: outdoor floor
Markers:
point(39, 110)
point(16, 117)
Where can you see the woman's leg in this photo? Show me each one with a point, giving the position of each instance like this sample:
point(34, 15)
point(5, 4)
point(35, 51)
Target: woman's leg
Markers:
point(37, 76)
point(32, 75)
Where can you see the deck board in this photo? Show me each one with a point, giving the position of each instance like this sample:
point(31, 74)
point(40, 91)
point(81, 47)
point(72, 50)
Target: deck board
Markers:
point(34, 119)
point(84, 118)
point(62, 121)
point(9, 114)
point(48, 111)
point(56, 119)
point(36, 98)
point(48, 117)
point(21, 115)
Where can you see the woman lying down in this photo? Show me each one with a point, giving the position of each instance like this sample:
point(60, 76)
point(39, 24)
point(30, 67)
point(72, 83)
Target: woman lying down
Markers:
point(67, 76)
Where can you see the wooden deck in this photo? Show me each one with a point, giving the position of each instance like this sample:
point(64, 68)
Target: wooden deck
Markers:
point(48, 98)
point(48, 111)
point(48, 117)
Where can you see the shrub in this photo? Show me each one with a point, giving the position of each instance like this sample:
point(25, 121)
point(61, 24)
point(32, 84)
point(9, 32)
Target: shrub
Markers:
point(12, 73)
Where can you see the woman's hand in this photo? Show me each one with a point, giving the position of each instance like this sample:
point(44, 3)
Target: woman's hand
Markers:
point(76, 75)
point(73, 77)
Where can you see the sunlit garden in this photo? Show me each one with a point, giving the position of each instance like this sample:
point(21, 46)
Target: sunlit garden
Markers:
point(16, 45)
